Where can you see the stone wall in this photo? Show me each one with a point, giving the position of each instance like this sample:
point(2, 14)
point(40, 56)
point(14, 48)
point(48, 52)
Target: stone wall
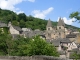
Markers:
point(29, 58)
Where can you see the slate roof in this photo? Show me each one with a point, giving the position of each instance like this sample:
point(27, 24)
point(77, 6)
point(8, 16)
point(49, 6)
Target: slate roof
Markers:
point(61, 22)
point(71, 36)
point(49, 24)
point(38, 32)
point(65, 40)
point(56, 42)
point(32, 33)
point(17, 28)
point(2, 24)
point(29, 34)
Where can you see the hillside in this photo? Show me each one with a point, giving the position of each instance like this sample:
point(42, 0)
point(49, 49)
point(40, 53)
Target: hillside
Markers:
point(23, 20)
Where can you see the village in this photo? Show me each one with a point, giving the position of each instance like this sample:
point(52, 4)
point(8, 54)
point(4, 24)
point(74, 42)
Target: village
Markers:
point(65, 40)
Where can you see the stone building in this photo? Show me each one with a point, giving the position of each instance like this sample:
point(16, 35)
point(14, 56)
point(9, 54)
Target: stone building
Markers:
point(55, 32)
point(14, 29)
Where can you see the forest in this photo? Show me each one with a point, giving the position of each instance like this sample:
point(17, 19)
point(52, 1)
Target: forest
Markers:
point(24, 21)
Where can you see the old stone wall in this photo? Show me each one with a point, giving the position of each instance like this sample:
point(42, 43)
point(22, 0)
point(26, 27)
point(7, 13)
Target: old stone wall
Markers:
point(29, 58)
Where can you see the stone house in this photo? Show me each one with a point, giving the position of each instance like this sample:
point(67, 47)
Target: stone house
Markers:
point(14, 29)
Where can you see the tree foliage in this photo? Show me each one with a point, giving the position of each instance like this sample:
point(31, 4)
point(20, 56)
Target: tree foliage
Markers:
point(75, 15)
point(38, 46)
point(25, 46)
point(22, 20)
point(75, 56)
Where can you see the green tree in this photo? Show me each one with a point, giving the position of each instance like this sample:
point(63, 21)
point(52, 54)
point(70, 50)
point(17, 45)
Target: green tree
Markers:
point(38, 46)
point(3, 45)
point(22, 23)
point(75, 15)
point(22, 16)
point(15, 23)
point(19, 46)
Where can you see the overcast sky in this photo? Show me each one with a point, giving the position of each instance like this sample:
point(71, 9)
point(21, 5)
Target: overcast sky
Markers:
point(44, 9)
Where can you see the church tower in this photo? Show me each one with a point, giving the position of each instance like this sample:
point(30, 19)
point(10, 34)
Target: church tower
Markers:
point(61, 28)
point(49, 26)
point(61, 24)
point(49, 29)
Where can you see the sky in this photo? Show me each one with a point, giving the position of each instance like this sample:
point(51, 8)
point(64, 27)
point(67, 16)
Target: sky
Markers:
point(44, 9)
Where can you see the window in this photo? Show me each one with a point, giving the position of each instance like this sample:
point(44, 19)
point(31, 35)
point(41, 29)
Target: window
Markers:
point(48, 28)
point(59, 27)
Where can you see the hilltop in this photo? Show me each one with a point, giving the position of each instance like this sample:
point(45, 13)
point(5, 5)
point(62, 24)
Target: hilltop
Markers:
point(22, 20)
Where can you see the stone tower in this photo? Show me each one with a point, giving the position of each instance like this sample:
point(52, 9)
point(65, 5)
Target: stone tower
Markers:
point(49, 26)
point(61, 24)
point(61, 28)
point(49, 29)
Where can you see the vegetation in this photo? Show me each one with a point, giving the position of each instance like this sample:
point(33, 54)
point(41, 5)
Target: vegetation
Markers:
point(25, 46)
point(23, 20)
point(75, 56)
point(38, 46)
point(75, 15)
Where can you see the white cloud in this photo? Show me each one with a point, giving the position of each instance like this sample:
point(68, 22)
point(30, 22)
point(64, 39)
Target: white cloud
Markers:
point(42, 14)
point(68, 21)
point(10, 4)
point(31, 0)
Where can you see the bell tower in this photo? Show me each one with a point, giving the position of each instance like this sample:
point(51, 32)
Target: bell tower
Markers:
point(61, 28)
point(49, 26)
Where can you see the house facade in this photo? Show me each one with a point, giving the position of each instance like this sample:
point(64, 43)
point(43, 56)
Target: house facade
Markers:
point(14, 29)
